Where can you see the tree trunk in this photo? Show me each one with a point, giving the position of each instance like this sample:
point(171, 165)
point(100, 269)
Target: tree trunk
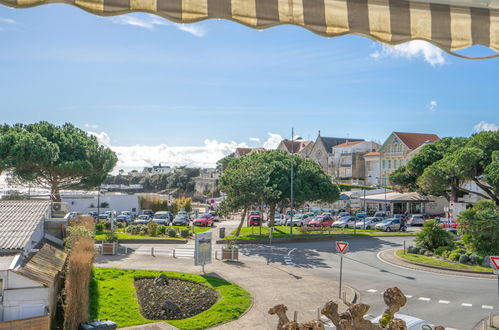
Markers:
point(272, 214)
point(487, 190)
point(55, 195)
point(243, 217)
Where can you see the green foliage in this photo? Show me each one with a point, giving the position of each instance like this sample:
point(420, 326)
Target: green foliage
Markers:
point(424, 260)
point(120, 225)
point(99, 226)
point(433, 236)
point(439, 251)
point(349, 186)
point(463, 259)
point(454, 255)
point(54, 157)
point(112, 296)
point(152, 228)
point(480, 227)
point(162, 229)
point(111, 237)
point(74, 232)
point(172, 232)
point(185, 233)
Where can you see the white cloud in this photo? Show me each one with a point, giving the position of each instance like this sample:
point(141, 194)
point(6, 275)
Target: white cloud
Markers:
point(484, 126)
point(433, 105)
point(93, 126)
point(254, 139)
point(7, 21)
point(412, 49)
point(150, 22)
point(273, 141)
point(102, 137)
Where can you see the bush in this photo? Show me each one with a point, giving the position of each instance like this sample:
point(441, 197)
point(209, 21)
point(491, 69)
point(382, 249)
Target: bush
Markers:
point(99, 226)
point(120, 225)
point(415, 250)
point(464, 259)
point(107, 224)
point(161, 229)
point(454, 256)
point(432, 236)
point(422, 251)
point(136, 229)
point(428, 253)
point(152, 228)
point(475, 260)
point(185, 233)
point(172, 232)
point(439, 251)
point(410, 249)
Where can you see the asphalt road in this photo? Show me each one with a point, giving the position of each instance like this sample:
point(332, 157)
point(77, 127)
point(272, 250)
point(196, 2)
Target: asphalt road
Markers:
point(457, 302)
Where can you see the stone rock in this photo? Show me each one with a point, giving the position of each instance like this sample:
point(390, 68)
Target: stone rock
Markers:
point(486, 262)
point(161, 280)
point(170, 306)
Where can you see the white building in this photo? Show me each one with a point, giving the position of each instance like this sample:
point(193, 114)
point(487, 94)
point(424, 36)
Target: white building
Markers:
point(346, 161)
point(160, 169)
point(372, 168)
point(29, 267)
point(86, 202)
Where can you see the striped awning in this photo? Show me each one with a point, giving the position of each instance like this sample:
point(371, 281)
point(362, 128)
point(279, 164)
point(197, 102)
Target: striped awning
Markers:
point(449, 26)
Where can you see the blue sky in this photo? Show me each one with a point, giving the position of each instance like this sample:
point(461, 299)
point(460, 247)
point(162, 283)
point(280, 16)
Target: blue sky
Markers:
point(142, 80)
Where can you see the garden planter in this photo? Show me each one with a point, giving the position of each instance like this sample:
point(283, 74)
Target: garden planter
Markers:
point(109, 248)
point(230, 254)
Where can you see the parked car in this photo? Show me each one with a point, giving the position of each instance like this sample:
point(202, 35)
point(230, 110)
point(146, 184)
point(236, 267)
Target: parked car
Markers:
point(447, 223)
point(361, 215)
point(162, 218)
point(254, 213)
point(327, 214)
point(150, 213)
point(321, 221)
point(181, 219)
point(411, 322)
point(278, 220)
point(416, 220)
point(380, 214)
point(400, 216)
point(125, 218)
point(183, 214)
point(343, 214)
point(142, 219)
point(391, 224)
point(368, 223)
point(345, 222)
point(93, 214)
point(297, 220)
point(204, 220)
point(255, 220)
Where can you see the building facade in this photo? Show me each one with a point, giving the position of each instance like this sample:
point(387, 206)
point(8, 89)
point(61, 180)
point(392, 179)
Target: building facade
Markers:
point(347, 163)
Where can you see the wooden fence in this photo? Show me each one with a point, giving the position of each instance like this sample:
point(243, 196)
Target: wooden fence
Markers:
point(32, 323)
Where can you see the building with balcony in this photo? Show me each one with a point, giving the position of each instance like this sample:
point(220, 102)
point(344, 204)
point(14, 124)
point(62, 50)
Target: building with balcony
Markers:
point(347, 163)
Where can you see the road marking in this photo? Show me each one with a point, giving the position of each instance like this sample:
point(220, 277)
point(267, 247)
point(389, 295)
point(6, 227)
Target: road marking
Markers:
point(444, 302)
point(447, 328)
point(408, 296)
point(487, 307)
point(372, 290)
point(466, 305)
point(424, 299)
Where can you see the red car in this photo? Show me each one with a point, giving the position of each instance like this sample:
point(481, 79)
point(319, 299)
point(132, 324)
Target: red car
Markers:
point(321, 221)
point(445, 223)
point(254, 220)
point(204, 220)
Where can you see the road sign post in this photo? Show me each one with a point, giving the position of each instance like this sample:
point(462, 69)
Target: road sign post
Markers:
point(202, 249)
point(341, 247)
point(494, 263)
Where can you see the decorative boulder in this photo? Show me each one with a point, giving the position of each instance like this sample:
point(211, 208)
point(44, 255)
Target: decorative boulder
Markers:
point(162, 280)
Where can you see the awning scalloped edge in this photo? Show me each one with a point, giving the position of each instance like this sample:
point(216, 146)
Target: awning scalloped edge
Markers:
point(391, 22)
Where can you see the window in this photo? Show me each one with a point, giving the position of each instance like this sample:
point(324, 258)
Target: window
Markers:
point(389, 163)
point(383, 164)
point(395, 163)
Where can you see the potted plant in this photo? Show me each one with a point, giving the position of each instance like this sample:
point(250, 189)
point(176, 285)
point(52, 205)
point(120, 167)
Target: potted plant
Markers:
point(230, 251)
point(110, 244)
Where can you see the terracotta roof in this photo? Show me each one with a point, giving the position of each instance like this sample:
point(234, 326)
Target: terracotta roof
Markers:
point(347, 144)
point(296, 145)
point(18, 222)
point(372, 153)
point(414, 140)
point(44, 266)
point(330, 142)
point(243, 151)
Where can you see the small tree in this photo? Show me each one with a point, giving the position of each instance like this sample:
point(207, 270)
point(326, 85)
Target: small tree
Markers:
point(433, 236)
point(480, 227)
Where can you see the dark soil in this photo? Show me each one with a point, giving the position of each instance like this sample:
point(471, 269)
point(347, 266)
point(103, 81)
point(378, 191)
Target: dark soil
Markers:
point(166, 298)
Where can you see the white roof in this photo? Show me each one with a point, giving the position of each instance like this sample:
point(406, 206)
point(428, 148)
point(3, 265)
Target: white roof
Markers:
point(395, 197)
point(18, 222)
point(6, 261)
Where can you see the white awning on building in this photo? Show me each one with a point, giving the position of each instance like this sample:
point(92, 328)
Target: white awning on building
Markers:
point(396, 197)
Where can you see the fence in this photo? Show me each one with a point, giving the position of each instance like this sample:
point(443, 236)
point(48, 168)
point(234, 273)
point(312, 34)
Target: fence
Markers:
point(33, 323)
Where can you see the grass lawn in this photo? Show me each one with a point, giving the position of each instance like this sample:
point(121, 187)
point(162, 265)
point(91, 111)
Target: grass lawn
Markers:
point(102, 235)
point(284, 232)
point(196, 229)
point(112, 296)
point(440, 263)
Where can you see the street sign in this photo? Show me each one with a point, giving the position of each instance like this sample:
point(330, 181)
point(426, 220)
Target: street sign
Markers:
point(494, 263)
point(202, 249)
point(342, 247)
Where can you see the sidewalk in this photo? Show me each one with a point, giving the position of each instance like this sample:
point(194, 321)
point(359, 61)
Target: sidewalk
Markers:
point(269, 285)
point(495, 322)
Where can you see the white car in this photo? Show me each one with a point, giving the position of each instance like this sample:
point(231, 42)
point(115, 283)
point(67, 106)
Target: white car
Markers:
point(412, 323)
point(368, 223)
point(345, 222)
point(416, 220)
point(297, 220)
point(278, 220)
point(162, 217)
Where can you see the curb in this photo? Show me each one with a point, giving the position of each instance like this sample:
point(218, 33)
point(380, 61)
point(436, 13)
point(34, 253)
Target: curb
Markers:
point(461, 271)
point(302, 238)
point(148, 241)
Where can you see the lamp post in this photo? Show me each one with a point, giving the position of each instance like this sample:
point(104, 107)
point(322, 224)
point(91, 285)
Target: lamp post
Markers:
point(292, 188)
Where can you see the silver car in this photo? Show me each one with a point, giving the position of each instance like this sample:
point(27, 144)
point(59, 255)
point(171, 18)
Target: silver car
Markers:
point(416, 220)
point(278, 220)
point(391, 224)
point(345, 222)
point(369, 223)
point(297, 220)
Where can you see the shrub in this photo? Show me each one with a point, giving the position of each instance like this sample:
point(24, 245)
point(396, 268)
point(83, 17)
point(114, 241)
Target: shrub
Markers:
point(464, 259)
point(161, 229)
point(99, 226)
point(432, 236)
point(439, 251)
point(428, 253)
point(475, 260)
point(422, 251)
point(410, 249)
point(172, 232)
point(185, 233)
point(120, 225)
point(415, 250)
point(111, 237)
point(454, 255)
point(142, 230)
point(152, 228)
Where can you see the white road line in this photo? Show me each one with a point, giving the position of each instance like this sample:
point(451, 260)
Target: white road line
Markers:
point(372, 290)
point(447, 328)
point(466, 305)
point(424, 299)
point(408, 296)
point(487, 307)
point(444, 302)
